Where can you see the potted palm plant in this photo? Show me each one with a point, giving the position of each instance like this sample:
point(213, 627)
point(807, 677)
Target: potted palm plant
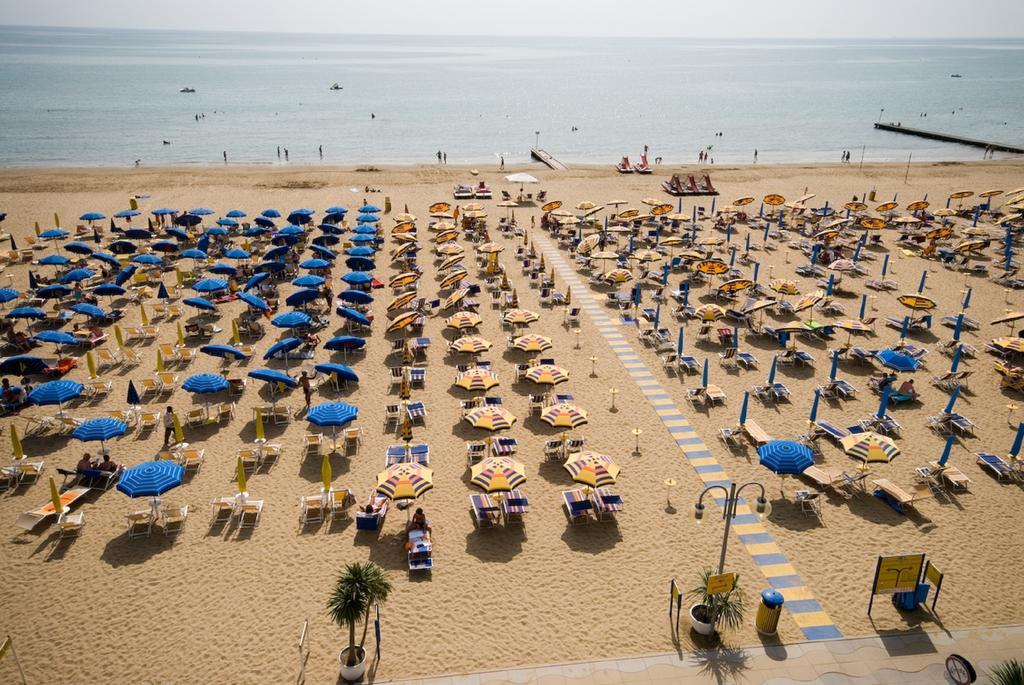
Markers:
point(356, 590)
point(1007, 673)
point(710, 611)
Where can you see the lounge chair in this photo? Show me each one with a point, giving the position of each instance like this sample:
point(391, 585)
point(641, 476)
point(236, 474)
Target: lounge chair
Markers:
point(759, 436)
point(951, 475)
point(21, 472)
point(311, 509)
point(249, 513)
point(339, 502)
point(485, 512)
point(421, 551)
point(140, 523)
point(606, 504)
point(898, 498)
point(373, 521)
point(515, 506)
point(996, 465)
point(810, 502)
point(577, 506)
point(831, 431)
point(174, 519)
point(223, 509)
point(70, 525)
point(825, 479)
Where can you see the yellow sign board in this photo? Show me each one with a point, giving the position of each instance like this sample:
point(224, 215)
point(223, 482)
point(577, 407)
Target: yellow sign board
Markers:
point(4, 647)
point(898, 574)
point(932, 575)
point(721, 584)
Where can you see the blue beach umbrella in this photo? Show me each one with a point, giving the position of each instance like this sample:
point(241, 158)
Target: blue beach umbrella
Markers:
point(138, 234)
point(271, 213)
point(360, 251)
point(216, 231)
point(132, 397)
point(22, 364)
point(331, 230)
point(273, 376)
point(275, 252)
point(884, 403)
point(100, 430)
point(264, 222)
point(54, 260)
point(835, 365)
point(813, 416)
point(360, 264)
point(309, 281)
point(235, 214)
point(743, 407)
point(771, 370)
point(227, 223)
point(25, 313)
point(282, 348)
point(1015, 450)
point(255, 280)
point(223, 351)
point(291, 319)
point(356, 296)
point(200, 303)
point(54, 234)
point(333, 414)
point(704, 374)
point(785, 457)
point(236, 253)
point(193, 253)
point(188, 220)
point(151, 479)
point(210, 285)
point(255, 302)
point(952, 400)
point(344, 343)
point(124, 274)
point(53, 292)
point(109, 290)
point(315, 264)
point(368, 229)
point(123, 247)
point(57, 338)
point(90, 310)
point(55, 392)
point(205, 383)
point(127, 213)
point(362, 238)
point(299, 219)
point(148, 260)
point(353, 315)
point(956, 359)
point(323, 252)
point(254, 231)
point(8, 294)
point(201, 211)
point(106, 258)
point(164, 211)
point(92, 216)
point(897, 360)
point(76, 275)
point(679, 341)
point(292, 230)
point(301, 298)
point(343, 372)
point(369, 209)
point(78, 247)
point(357, 278)
point(947, 449)
point(271, 267)
point(167, 246)
point(367, 219)
point(223, 270)
point(337, 209)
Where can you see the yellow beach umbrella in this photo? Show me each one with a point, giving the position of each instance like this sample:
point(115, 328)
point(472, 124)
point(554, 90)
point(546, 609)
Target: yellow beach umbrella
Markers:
point(918, 206)
point(491, 418)
point(498, 474)
point(16, 449)
point(445, 236)
point(38, 230)
point(404, 481)
point(143, 316)
point(784, 286)
point(403, 227)
point(532, 342)
point(118, 336)
point(709, 312)
point(908, 220)
point(401, 301)
point(520, 317)
point(743, 201)
point(179, 434)
point(551, 206)
point(260, 433)
point(325, 472)
point(439, 207)
point(477, 378)
point(990, 193)
point(588, 243)
point(872, 223)
point(736, 285)
point(240, 476)
point(58, 506)
point(455, 298)
point(450, 249)
point(646, 256)
point(809, 300)
point(547, 374)
point(711, 267)
point(916, 302)
point(856, 206)
point(90, 363)
point(870, 447)
point(630, 213)
point(450, 262)
point(235, 336)
point(970, 246)
point(886, 207)
point(179, 277)
point(490, 248)
point(401, 321)
point(662, 209)
point(773, 200)
point(1008, 343)
point(159, 362)
point(618, 276)
point(453, 279)
point(591, 468)
point(471, 344)
point(463, 320)
point(403, 279)
point(961, 194)
point(564, 415)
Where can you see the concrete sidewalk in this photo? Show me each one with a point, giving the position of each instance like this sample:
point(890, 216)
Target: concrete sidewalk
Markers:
point(909, 658)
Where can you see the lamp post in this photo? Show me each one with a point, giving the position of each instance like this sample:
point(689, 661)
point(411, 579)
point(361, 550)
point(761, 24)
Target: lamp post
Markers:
point(732, 496)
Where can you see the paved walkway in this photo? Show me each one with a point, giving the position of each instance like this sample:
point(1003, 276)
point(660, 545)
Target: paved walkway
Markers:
point(910, 658)
point(805, 610)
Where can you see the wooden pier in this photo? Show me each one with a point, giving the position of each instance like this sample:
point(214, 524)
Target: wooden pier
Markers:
point(948, 138)
point(544, 157)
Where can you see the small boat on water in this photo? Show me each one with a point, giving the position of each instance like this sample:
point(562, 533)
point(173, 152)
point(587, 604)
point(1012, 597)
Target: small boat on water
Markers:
point(955, 76)
point(336, 87)
point(186, 89)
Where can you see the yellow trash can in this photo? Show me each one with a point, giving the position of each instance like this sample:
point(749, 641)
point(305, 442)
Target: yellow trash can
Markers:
point(871, 196)
point(768, 612)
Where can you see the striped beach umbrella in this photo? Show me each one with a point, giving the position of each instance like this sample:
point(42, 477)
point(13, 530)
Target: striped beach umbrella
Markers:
point(405, 481)
point(870, 447)
point(709, 312)
point(916, 302)
point(498, 474)
point(453, 279)
point(401, 301)
point(564, 416)
point(491, 418)
point(808, 301)
point(403, 279)
point(455, 298)
point(477, 379)
point(532, 342)
point(520, 317)
point(591, 468)
point(402, 320)
point(1009, 343)
point(471, 344)
point(785, 457)
point(463, 320)
point(618, 276)
point(547, 374)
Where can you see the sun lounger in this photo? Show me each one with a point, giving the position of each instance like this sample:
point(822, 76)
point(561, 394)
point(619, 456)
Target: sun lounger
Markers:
point(810, 502)
point(70, 525)
point(30, 519)
point(174, 519)
point(21, 472)
point(577, 506)
point(373, 521)
point(339, 502)
point(311, 509)
point(831, 431)
point(140, 523)
point(223, 509)
point(249, 513)
point(485, 512)
point(759, 436)
point(421, 551)
point(825, 479)
point(898, 498)
point(996, 465)
point(951, 475)
point(514, 506)
point(606, 504)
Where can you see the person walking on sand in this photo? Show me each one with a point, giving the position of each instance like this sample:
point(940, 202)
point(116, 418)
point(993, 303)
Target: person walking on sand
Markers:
point(755, 155)
point(168, 425)
point(502, 167)
point(321, 148)
point(446, 158)
point(286, 154)
point(307, 390)
point(438, 156)
point(225, 156)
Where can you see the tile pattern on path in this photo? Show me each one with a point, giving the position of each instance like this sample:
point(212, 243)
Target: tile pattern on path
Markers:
point(808, 614)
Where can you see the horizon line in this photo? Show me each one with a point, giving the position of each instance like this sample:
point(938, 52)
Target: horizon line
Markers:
point(506, 35)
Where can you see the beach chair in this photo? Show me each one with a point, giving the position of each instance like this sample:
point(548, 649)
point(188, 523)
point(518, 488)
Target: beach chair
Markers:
point(105, 358)
point(804, 358)
point(174, 519)
point(21, 472)
point(831, 431)
point(353, 438)
point(97, 390)
point(860, 355)
point(140, 523)
point(715, 394)
point(280, 414)
point(552, 449)
point(185, 355)
point(606, 504)
point(168, 382)
point(421, 551)
point(249, 513)
point(485, 512)
point(825, 479)
point(950, 475)
point(670, 362)
point(898, 498)
point(577, 506)
point(728, 358)
point(314, 443)
point(392, 415)
point(339, 502)
point(196, 417)
point(730, 438)
point(367, 521)
point(515, 506)
point(150, 386)
point(688, 363)
point(191, 459)
point(810, 502)
point(70, 525)
point(759, 436)
point(475, 452)
point(250, 458)
point(311, 509)
point(695, 396)
point(996, 465)
point(169, 353)
point(746, 359)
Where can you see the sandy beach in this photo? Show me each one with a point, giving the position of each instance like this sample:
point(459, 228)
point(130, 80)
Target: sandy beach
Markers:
point(227, 605)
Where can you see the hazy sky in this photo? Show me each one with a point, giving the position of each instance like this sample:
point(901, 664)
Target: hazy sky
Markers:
point(705, 18)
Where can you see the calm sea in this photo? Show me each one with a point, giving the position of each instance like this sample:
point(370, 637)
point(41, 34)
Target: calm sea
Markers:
point(109, 97)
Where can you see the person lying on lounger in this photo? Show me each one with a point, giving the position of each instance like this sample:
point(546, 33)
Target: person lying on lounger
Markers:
point(86, 463)
point(907, 388)
point(107, 464)
point(419, 522)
